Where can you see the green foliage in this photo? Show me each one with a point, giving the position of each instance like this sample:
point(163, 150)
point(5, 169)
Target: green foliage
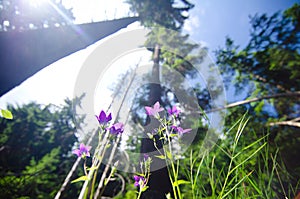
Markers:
point(40, 174)
point(241, 165)
point(130, 193)
point(260, 162)
point(167, 13)
point(177, 58)
point(271, 57)
point(269, 65)
point(6, 114)
point(82, 178)
point(35, 150)
point(175, 50)
point(237, 168)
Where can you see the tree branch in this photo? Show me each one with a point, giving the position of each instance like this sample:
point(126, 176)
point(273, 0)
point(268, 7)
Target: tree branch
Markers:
point(279, 95)
point(293, 122)
point(263, 80)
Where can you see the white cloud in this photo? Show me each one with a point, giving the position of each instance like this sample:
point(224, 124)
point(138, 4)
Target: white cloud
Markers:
point(191, 24)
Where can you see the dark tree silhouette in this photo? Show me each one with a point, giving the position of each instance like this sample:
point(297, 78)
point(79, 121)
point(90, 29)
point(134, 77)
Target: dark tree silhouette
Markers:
point(167, 13)
point(35, 150)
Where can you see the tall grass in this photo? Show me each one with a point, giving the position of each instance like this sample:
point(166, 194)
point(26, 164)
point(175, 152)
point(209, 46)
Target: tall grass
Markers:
point(236, 169)
point(240, 165)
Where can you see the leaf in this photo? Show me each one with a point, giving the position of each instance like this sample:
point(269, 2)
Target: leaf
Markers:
point(7, 114)
point(259, 106)
point(106, 181)
point(162, 129)
point(169, 155)
point(140, 174)
point(173, 135)
point(145, 188)
point(150, 135)
point(161, 157)
point(179, 182)
point(82, 178)
point(162, 138)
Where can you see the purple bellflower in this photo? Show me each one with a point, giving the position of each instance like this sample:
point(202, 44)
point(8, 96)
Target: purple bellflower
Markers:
point(174, 111)
point(146, 156)
point(154, 111)
point(116, 129)
point(102, 118)
point(140, 181)
point(83, 151)
point(180, 130)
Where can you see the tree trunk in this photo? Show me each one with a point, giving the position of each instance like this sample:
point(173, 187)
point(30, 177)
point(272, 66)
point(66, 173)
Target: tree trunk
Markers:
point(159, 182)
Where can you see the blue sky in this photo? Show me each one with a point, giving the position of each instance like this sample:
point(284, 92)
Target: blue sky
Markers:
point(212, 20)
point(209, 23)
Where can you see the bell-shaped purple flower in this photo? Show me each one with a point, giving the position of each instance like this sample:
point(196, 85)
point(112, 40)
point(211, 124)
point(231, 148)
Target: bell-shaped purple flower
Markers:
point(174, 111)
point(116, 129)
point(139, 181)
point(180, 130)
point(83, 151)
point(154, 111)
point(146, 156)
point(102, 118)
